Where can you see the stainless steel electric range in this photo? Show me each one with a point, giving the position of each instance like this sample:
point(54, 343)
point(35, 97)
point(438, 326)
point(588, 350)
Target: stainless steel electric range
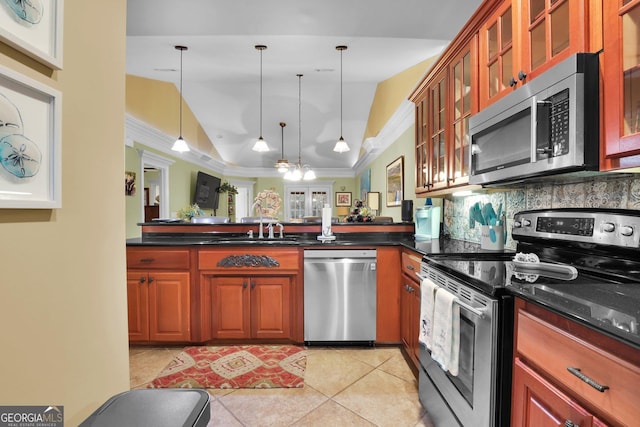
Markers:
point(581, 263)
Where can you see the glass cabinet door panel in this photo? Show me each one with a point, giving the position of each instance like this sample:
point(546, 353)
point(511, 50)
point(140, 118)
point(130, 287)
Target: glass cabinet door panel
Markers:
point(560, 28)
point(437, 130)
point(631, 70)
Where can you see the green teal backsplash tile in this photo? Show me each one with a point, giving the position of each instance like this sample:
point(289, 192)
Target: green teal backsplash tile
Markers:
point(611, 192)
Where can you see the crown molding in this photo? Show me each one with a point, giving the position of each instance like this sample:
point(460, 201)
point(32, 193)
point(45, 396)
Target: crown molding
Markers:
point(400, 121)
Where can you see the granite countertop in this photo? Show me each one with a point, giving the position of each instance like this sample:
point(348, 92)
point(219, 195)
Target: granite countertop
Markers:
point(607, 295)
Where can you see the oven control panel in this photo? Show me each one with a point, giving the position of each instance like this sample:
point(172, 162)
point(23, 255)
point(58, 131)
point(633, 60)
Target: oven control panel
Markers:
point(598, 226)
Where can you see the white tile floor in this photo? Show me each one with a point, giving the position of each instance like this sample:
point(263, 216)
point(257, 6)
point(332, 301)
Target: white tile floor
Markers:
point(343, 387)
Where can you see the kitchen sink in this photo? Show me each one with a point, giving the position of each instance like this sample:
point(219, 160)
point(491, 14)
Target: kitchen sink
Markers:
point(244, 240)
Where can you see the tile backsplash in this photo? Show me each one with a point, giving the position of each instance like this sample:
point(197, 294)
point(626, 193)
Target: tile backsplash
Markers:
point(611, 192)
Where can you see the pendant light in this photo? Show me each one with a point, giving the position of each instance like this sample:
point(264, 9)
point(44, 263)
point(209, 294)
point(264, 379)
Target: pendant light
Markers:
point(299, 171)
point(341, 146)
point(260, 145)
point(283, 164)
point(180, 145)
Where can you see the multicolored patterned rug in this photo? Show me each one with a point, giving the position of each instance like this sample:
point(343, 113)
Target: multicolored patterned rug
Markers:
point(246, 366)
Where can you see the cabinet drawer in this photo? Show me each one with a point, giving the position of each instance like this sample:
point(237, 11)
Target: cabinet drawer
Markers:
point(158, 258)
point(411, 265)
point(253, 259)
point(553, 351)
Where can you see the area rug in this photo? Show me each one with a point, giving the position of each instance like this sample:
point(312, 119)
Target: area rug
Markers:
point(227, 367)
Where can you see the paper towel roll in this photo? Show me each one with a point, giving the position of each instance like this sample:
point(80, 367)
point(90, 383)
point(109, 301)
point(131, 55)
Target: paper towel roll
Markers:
point(326, 220)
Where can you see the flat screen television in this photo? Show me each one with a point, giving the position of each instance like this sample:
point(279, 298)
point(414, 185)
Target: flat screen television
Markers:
point(206, 192)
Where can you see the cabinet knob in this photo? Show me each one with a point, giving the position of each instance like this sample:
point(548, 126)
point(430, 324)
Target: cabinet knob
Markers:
point(244, 284)
point(142, 280)
point(522, 75)
point(253, 284)
point(410, 267)
point(150, 279)
point(569, 423)
point(512, 82)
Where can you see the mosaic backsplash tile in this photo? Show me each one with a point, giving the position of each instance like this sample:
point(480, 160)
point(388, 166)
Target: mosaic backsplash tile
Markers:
point(611, 192)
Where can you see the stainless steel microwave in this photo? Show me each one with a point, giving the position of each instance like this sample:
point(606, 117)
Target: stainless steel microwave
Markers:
point(549, 126)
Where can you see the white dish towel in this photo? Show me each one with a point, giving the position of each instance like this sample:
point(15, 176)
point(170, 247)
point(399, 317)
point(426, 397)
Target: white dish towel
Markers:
point(446, 331)
point(427, 301)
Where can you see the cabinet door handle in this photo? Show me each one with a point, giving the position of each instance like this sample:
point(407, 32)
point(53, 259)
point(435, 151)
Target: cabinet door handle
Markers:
point(522, 75)
point(150, 279)
point(569, 423)
point(244, 284)
point(410, 267)
point(142, 280)
point(146, 260)
point(586, 379)
point(253, 284)
point(512, 82)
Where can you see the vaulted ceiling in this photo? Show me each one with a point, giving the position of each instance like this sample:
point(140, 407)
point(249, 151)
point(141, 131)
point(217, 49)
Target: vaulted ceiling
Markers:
point(221, 69)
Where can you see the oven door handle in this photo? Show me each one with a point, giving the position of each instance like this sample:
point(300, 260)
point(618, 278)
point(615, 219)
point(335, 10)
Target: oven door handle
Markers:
point(476, 311)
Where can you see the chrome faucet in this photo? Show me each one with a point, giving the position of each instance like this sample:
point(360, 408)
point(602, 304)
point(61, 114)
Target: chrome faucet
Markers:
point(281, 227)
point(270, 228)
point(258, 204)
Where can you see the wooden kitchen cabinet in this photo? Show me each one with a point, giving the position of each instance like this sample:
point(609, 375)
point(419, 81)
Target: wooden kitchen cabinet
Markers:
point(523, 38)
point(443, 107)
point(410, 306)
point(538, 403)
point(554, 356)
point(251, 307)
point(387, 295)
point(621, 81)
point(158, 295)
point(250, 293)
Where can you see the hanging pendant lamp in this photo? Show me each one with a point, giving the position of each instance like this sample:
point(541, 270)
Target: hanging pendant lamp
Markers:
point(299, 171)
point(283, 164)
point(180, 145)
point(341, 146)
point(260, 145)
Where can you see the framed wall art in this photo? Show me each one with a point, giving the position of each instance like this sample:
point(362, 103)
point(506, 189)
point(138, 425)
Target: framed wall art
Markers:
point(395, 182)
point(34, 27)
point(343, 199)
point(30, 143)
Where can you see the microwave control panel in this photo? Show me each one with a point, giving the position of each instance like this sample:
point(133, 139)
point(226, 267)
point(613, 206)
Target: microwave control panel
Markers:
point(553, 126)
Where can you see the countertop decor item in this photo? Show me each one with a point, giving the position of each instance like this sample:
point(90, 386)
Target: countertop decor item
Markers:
point(232, 367)
point(270, 202)
point(190, 211)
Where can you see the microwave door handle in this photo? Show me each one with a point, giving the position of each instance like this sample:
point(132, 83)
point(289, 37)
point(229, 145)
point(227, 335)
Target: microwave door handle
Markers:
point(534, 129)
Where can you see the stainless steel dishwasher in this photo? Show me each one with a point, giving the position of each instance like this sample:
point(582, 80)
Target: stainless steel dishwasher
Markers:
point(340, 295)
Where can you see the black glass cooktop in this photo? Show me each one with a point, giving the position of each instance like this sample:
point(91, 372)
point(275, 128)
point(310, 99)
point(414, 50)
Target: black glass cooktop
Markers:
point(609, 302)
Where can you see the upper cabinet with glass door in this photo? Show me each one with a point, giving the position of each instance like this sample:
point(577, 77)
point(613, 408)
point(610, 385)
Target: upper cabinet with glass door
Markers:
point(621, 81)
point(523, 38)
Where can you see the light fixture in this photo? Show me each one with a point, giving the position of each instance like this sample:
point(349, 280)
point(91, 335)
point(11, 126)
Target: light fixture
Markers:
point(299, 171)
point(180, 145)
point(260, 145)
point(283, 164)
point(341, 146)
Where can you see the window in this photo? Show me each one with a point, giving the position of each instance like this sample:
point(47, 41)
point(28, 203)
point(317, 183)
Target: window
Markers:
point(305, 200)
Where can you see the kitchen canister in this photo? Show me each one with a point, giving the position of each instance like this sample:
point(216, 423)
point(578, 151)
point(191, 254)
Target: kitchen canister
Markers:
point(492, 237)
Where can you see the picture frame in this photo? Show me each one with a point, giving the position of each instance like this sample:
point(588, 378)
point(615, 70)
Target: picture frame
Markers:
point(35, 29)
point(395, 182)
point(30, 147)
point(343, 198)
